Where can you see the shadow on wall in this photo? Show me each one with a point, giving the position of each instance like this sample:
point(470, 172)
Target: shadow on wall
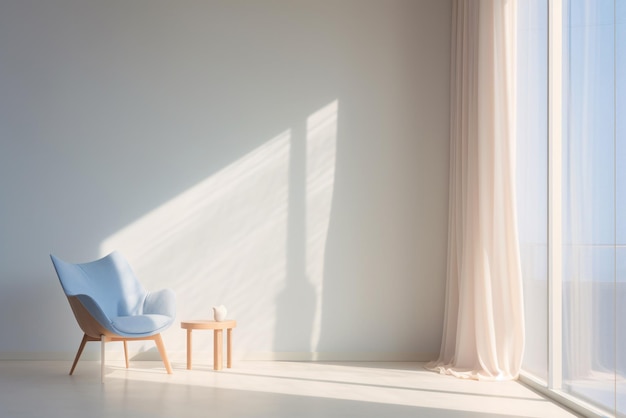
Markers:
point(312, 179)
point(251, 237)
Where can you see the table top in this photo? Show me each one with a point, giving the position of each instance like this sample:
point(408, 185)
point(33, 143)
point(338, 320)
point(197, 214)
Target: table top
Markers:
point(208, 324)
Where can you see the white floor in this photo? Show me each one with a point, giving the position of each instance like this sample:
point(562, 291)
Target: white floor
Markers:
point(258, 389)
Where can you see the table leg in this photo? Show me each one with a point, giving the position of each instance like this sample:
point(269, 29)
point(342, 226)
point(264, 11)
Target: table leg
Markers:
point(189, 349)
point(217, 349)
point(229, 340)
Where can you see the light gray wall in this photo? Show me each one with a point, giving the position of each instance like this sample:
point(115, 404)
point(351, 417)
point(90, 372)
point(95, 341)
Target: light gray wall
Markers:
point(286, 159)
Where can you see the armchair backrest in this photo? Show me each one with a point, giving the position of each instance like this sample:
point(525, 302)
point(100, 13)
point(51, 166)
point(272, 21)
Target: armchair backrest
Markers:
point(109, 281)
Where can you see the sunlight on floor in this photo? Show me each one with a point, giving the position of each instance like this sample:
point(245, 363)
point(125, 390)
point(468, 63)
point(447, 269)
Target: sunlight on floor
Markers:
point(259, 389)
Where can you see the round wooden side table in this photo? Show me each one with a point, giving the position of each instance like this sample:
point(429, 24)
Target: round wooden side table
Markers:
point(217, 328)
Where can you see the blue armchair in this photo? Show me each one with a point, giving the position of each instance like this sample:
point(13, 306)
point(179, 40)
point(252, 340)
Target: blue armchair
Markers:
point(110, 304)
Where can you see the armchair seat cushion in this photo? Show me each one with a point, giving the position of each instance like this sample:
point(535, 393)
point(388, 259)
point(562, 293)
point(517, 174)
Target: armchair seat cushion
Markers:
point(141, 325)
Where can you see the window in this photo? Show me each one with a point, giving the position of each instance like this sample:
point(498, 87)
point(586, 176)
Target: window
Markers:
point(589, 198)
point(575, 348)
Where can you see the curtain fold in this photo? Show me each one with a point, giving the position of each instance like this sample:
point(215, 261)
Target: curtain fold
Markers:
point(483, 335)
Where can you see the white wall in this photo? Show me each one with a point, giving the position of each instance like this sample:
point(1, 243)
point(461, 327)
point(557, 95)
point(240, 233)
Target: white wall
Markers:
point(286, 159)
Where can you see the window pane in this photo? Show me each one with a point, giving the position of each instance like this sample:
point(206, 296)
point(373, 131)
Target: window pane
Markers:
point(621, 330)
point(589, 221)
point(620, 100)
point(532, 178)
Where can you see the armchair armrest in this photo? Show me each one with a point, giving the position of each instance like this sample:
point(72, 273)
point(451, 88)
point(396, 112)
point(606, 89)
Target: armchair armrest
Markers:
point(161, 302)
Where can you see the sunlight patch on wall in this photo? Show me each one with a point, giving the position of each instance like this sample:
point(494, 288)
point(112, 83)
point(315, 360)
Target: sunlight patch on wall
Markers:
point(223, 241)
point(320, 177)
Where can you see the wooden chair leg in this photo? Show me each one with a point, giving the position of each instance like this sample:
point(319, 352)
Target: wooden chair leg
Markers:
point(102, 350)
point(80, 351)
point(159, 343)
point(126, 353)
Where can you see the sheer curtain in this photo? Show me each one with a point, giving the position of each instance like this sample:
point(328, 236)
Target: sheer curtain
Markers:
point(483, 335)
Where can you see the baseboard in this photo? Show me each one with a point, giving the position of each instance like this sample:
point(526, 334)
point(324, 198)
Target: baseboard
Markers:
point(203, 355)
point(337, 356)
